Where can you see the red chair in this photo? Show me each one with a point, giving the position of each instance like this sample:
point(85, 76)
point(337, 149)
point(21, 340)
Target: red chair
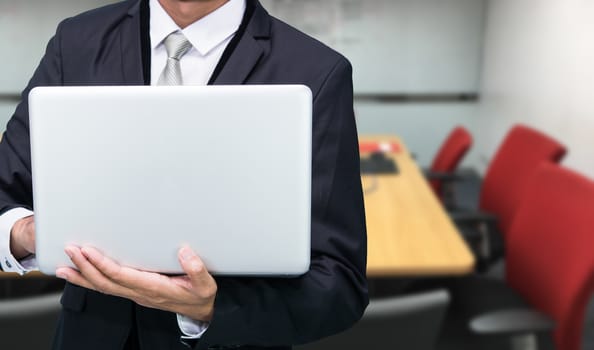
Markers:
point(522, 151)
point(451, 152)
point(510, 171)
point(549, 258)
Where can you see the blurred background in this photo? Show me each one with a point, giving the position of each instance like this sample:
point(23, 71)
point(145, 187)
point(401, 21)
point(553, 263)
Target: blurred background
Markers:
point(422, 68)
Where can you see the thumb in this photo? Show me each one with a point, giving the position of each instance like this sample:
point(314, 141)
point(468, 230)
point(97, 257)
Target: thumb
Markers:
point(194, 267)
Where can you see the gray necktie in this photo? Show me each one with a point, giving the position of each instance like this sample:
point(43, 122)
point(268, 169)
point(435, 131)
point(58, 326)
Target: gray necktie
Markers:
point(176, 45)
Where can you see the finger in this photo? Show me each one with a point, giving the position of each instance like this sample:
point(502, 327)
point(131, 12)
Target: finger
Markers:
point(74, 277)
point(105, 265)
point(124, 276)
point(96, 278)
point(194, 267)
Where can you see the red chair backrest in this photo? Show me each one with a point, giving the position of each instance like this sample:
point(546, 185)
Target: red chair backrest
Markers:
point(550, 251)
point(512, 167)
point(450, 154)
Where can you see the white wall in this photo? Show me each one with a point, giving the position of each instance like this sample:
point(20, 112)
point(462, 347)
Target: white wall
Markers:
point(25, 28)
point(539, 70)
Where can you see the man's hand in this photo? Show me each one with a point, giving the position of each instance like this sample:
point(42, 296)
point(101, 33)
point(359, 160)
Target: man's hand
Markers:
point(22, 237)
point(191, 295)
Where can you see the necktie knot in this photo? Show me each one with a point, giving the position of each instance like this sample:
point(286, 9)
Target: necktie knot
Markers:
point(176, 45)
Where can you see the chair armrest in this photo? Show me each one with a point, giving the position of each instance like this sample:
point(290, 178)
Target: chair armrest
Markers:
point(512, 321)
point(481, 237)
point(470, 217)
point(442, 176)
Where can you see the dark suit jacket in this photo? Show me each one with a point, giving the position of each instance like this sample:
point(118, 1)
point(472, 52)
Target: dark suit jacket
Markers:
point(104, 47)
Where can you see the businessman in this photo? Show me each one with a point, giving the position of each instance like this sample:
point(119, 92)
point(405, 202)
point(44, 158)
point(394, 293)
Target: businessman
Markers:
point(197, 42)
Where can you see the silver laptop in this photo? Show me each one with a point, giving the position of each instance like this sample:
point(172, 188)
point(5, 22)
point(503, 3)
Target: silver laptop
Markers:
point(139, 171)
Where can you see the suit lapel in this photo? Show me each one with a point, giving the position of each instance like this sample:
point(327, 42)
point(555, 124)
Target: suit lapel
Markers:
point(241, 62)
point(131, 48)
point(252, 45)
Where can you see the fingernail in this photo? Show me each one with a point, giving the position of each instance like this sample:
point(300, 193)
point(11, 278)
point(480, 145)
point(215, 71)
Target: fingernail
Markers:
point(61, 274)
point(186, 253)
point(69, 251)
point(84, 251)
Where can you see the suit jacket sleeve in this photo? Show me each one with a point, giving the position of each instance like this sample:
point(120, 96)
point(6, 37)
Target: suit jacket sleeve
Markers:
point(333, 294)
point(15, 155)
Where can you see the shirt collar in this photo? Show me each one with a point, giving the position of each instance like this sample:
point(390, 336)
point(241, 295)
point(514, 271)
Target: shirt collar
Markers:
point(204, 34)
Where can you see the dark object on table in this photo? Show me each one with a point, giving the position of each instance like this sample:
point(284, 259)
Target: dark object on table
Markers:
point(378, 163)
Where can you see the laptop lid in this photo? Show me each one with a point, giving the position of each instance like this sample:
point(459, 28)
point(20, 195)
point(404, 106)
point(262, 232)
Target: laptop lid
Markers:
point(139, 171)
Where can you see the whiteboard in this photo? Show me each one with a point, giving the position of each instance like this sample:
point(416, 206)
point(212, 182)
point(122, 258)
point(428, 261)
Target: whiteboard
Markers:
point(397, 46)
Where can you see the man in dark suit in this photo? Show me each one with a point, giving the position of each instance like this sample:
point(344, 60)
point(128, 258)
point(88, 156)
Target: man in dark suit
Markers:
point(106, 306)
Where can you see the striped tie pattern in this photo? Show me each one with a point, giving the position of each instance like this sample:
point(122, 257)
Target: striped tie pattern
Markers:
point(176, 45)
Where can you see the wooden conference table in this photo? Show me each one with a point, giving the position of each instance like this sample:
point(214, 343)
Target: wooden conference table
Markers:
point(408, 231)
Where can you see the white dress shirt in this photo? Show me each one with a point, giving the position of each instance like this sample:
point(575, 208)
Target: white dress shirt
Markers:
point(209, 37)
